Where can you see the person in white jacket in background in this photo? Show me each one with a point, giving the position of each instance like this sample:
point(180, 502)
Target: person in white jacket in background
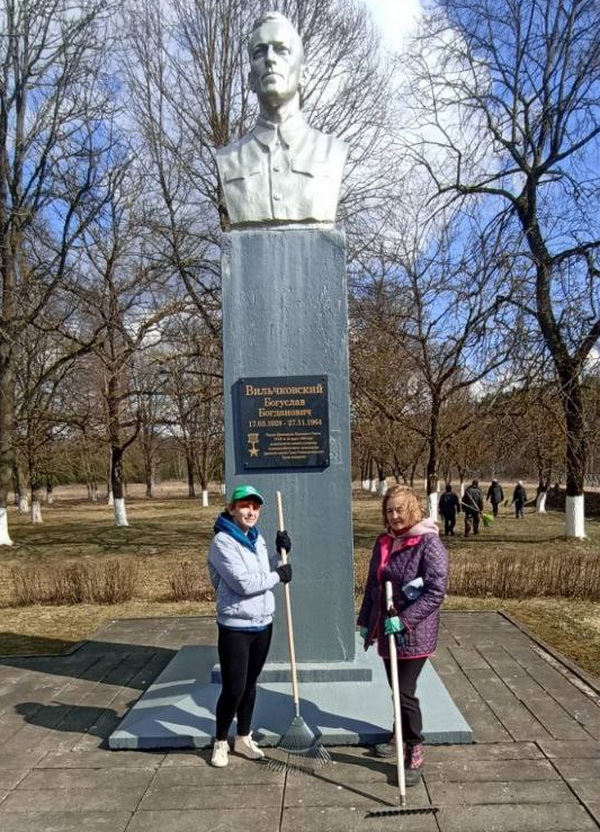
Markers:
point(242, 574)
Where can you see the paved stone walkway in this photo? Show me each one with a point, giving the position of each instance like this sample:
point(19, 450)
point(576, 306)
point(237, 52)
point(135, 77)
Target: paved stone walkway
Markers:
point(535, 765)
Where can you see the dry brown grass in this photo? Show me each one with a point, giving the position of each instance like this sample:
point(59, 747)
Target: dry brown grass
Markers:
point(165, 548)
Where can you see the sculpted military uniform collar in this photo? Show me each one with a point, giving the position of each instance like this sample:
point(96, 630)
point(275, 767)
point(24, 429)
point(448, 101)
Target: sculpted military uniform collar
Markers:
point(290, 131)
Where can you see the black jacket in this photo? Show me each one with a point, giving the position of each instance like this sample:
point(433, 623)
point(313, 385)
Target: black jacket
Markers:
point(449, 504)
point(495, 493)
point(472, 501)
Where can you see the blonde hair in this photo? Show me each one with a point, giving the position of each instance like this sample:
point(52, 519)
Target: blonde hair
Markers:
point(410, 497)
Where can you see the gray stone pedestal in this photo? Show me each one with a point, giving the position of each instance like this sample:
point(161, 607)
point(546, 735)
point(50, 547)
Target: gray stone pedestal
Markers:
point(284, 316)
point(177, 711)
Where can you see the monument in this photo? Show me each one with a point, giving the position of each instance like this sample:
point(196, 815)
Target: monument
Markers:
point(283, 171)
point(285, 340)
point(287, 428)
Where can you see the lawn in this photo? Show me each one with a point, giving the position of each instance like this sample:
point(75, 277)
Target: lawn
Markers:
point(166, 543)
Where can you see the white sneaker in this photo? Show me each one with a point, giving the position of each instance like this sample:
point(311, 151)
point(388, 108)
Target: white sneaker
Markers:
point(220, 755)
point(247, 747)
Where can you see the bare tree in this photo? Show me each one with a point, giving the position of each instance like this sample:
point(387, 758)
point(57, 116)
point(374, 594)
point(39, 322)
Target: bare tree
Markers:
point(126, 298)
point(506, 114)
point(442, 317)
point(52, 146)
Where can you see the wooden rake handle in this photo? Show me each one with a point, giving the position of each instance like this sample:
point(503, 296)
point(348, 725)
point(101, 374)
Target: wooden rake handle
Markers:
point(288, 613)
point(389, 605)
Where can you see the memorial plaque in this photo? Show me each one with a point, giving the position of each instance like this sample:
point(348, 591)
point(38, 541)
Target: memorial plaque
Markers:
point(283, 422)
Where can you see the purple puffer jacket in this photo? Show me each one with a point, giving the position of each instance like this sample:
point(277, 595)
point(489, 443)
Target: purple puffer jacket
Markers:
point(422, 555)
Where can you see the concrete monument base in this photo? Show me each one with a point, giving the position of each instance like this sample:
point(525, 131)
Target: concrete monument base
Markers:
point(178, 710)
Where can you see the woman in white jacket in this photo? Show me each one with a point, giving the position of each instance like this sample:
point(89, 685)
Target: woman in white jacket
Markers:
point(242, 574)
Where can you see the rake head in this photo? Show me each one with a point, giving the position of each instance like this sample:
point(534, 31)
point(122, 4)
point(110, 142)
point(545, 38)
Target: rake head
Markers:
point(418, 810)
point(299, 750)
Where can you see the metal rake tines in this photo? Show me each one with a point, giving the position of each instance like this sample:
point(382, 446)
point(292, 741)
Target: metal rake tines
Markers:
point(306, 761)
point(404, 810)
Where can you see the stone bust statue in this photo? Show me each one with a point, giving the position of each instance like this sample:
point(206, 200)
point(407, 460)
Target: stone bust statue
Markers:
point(283, 171)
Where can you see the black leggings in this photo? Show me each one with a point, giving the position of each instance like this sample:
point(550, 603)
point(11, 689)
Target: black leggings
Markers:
point(242, 656)
point(410, 707)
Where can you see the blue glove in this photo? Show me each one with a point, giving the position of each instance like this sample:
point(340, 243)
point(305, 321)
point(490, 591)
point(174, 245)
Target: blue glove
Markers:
point(364, 632)
point(392, 626)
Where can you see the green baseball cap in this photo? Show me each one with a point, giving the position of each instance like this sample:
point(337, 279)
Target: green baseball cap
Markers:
point(244, 492)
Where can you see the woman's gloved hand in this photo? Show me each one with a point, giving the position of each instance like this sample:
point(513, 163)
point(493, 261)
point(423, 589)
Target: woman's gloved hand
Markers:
point(392, 625)
point(364, 632)
point(285, 572)
point(282, 541)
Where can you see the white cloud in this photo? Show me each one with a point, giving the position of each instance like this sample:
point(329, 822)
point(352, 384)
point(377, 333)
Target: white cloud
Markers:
point(396, 19)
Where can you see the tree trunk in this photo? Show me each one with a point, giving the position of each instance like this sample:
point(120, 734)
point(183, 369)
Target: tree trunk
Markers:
point(576, 454)
point(432, 467)
point(190, 476)
point(117, 478)
point(7, 418)
point(149, 476)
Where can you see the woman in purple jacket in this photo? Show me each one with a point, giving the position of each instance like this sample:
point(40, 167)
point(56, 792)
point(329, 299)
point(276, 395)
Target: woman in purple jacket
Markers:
point(411, 556)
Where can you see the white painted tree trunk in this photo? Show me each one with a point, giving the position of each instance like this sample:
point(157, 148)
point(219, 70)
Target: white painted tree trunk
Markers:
point(365, 485)
point(4, 535)
point(575, 517)
point(382, 487)
point(23, 503)
point(374, 486)
point(94, 495)
point(204, 499)
point(540, 503)
point(36, 512)
point(50, 498)
point(120, 512)
point(432, 505)
point(223, 488)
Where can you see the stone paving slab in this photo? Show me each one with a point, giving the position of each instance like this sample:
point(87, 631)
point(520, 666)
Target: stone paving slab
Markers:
point(103, 821)
point(582, 749)
point(579, 769)
point(322, 791)
point(459, 754)
point(587, 790)
point(209, 797)
point(42, 801)
point(207, 820)
point(100, 758)
point(205, 775)
point(87, 778)
point(488, 771)
point(10, 778)
point(335, 819)
point(56, 774)
point(536, 791)
point(554, 817)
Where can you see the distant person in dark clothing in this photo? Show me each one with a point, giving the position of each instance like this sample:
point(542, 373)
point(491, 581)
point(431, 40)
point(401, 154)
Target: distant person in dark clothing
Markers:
point(519, 499)
point(449, 506)
point(495, 495)
point(472, 503)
